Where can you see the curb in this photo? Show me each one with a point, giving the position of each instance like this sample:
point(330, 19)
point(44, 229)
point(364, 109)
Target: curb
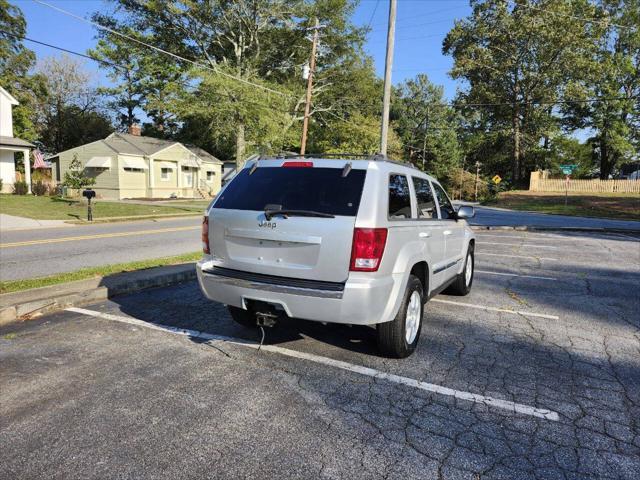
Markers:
point(529, 228)
point(18, 306)
point(133, 218)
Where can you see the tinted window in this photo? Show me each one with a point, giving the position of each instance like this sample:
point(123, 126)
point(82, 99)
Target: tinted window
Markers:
point(399, 197)
point(446, 209)
point(424, 197)
point(319, 189)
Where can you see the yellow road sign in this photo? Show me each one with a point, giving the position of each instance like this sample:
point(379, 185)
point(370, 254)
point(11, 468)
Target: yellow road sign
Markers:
point(497, 179)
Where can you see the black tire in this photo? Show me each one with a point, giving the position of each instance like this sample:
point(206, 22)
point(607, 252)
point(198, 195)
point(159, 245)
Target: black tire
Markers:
point(392, 340)
point(245, 318)
point(460, 286)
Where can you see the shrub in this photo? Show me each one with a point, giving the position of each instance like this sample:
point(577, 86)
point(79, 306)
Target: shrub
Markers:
point(20, 188)
point(75, 177)
point(463, 184)
point(40, 188)
point(0, 185)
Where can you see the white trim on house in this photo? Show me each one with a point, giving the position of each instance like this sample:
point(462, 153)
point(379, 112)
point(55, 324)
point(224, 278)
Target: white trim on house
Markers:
point(98, 162)
point(137, 162)
point(166, 164)
point(12, 100)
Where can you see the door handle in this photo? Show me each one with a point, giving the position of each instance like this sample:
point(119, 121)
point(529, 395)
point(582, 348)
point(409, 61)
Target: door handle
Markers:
point(447, 232)
point(424, 235)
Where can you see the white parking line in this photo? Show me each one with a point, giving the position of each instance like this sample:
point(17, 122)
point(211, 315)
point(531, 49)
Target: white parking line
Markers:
point(369, 372)
point(515, 256)
point(518, 245)
point(515, 275)
point(495, 309)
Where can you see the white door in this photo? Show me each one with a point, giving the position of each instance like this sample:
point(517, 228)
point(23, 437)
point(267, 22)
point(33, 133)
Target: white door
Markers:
point(453, 231)
point(430, 230)
point(188, 178)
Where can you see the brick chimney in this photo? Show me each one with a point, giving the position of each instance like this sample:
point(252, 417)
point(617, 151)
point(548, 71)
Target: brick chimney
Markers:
point(135, 129)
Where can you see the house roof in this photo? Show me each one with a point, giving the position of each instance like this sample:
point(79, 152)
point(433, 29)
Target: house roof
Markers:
point(125, 143)
point(14, 142)
point(12, 100)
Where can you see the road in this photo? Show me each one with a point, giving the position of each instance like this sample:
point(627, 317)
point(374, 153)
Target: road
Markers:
point(46, 251)
point(487, 216)
point(534, 375)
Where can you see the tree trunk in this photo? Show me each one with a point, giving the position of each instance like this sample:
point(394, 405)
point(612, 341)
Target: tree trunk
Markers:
point(517, 153)
point(605, 163)
point(240, 146)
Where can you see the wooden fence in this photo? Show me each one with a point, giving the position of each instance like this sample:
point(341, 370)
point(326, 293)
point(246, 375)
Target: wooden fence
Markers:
point(538, 184)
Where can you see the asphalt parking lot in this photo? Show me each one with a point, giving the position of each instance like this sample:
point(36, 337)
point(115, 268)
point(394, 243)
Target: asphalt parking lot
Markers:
point(534, 375)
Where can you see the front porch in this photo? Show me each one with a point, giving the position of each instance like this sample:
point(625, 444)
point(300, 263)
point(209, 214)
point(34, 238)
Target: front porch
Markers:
point(8, 147)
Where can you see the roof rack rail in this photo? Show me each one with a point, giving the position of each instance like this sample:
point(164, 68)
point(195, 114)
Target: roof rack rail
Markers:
point(345, 155)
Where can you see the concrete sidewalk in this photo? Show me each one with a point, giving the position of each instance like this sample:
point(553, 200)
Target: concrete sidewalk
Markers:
point(11, 222)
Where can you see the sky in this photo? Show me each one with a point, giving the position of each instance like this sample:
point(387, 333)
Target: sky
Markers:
point(420, 28)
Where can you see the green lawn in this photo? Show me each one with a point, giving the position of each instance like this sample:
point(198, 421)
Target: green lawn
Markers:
point(17, 285)
point(622, 206)
point(56, 208)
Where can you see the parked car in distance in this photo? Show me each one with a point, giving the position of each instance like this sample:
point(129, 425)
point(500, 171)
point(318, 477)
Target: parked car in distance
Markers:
point(364, 242)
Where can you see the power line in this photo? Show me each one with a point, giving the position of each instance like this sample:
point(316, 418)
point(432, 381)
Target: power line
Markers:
point(373, 14)
point(426, 14)
point(21, 37)
point(158, 49)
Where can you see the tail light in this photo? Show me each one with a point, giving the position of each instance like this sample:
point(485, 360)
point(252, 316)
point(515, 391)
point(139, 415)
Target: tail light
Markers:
point(367, 249)
point(297, 164)
point(205, 235)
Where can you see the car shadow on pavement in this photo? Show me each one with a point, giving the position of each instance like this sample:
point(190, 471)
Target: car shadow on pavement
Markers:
point(184, 306)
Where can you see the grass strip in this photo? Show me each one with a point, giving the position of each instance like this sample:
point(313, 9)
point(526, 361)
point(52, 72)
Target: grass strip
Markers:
point(84, 273)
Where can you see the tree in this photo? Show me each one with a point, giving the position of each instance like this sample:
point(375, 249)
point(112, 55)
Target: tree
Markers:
point(613, 79)
point(75, 177)
point(427, 126)
point(15, 63)
point(70, 113)
point(516, 58)
point(245, 58)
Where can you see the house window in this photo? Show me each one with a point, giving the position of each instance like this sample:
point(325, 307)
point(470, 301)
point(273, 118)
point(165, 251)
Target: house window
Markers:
point(210, 176)
point(165, 174)
point(129, 169)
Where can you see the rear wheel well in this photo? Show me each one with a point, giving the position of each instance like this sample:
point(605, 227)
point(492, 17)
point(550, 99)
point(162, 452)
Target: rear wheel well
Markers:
point(421, 270)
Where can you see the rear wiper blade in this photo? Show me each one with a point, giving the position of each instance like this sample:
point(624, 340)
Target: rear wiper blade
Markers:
point(296, 213)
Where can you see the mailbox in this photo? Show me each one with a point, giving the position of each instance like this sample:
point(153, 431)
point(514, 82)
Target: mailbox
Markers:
point(89, 194)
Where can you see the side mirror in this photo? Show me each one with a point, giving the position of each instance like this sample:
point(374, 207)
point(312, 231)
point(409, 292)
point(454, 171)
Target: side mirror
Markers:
point(466, 211)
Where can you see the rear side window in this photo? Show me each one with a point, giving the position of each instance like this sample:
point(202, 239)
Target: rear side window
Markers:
point(319, 189)
point(424, 198)
point(399, 197)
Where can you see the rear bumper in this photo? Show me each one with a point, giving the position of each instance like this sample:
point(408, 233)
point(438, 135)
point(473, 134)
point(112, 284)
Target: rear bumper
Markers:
point(363, 301)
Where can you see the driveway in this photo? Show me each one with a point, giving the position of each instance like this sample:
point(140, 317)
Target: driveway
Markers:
point(490, 216)
point(534, 375)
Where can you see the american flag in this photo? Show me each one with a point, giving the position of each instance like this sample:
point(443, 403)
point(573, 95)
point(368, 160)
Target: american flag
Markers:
point(38, 159)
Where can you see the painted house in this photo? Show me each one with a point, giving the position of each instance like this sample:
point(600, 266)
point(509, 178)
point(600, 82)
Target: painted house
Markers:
point(9, 145)
point(128, 165)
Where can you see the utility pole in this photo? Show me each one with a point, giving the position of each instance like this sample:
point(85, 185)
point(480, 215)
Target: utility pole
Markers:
point(307, 105)
point(464, 158)
point(391, 33)
point(477, 177)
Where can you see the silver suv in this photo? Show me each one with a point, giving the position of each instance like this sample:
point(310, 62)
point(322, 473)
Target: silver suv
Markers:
point(359, 242)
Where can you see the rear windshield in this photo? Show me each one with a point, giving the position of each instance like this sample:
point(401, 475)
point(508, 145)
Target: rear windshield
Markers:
point(319, 189)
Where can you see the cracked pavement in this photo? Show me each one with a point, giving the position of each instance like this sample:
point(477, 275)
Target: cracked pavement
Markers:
point(84, 397)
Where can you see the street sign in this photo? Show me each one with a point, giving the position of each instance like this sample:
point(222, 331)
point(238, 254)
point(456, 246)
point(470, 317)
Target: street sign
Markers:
point(497, 179)
point(568, 169)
